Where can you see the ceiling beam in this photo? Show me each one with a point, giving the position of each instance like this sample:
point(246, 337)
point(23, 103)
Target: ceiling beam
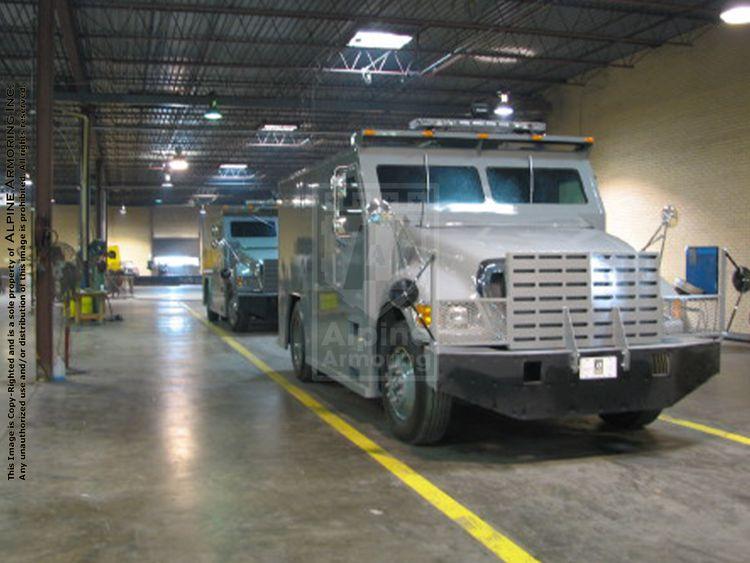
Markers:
point(414, 23)
point(276, 67)
point(171, 100)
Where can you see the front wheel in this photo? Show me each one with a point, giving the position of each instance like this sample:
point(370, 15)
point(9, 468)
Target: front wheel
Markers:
point(416, 413)
point(632, 420)
point(212, 316)
point(302, 369)
point(237, 319)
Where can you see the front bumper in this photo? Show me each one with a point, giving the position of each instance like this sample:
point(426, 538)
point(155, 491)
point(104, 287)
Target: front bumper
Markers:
point(535, 385)
point(261, 307)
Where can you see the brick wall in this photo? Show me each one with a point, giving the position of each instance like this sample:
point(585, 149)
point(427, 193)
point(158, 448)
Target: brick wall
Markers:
point(676, 129)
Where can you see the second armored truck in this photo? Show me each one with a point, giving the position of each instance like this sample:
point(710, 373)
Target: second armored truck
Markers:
point(240, 268)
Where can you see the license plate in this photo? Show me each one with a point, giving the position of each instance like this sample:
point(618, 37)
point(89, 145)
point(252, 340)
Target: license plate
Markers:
point(599, 367)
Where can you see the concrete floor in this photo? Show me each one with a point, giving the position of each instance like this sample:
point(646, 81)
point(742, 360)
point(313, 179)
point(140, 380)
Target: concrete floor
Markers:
point(172, 447)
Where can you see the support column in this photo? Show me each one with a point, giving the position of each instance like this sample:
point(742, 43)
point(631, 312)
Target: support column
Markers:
point(85, 210)
point(101, 203)
point(45, 284)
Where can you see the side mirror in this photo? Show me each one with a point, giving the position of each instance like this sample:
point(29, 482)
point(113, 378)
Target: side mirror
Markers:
point(403, 293)
point(378, 210)
point(669, 216)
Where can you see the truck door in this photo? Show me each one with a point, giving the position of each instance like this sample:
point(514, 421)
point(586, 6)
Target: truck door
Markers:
point(340, 328)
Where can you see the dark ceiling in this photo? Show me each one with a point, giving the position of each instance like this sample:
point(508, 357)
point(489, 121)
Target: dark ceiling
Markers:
point(146, 72)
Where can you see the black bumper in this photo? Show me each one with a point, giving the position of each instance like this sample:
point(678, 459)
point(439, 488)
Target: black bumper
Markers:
point(535, 386)
point(260, 307)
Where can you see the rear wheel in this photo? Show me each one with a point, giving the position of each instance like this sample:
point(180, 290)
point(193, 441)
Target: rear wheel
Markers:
point(416, 413)
point(632, 420)
point(237, 319)
point(302, 369)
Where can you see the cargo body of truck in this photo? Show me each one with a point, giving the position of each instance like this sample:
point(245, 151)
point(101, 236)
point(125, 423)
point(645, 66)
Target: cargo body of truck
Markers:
point(429, 265)
point(240, 269)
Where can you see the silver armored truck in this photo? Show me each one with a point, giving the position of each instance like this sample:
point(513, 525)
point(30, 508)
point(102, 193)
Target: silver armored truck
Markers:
point(240, 268)
point(469, 260)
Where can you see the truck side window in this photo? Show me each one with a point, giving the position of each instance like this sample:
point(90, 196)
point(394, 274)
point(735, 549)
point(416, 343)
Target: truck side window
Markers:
point(551, 185)
point(448, 184)
point(558, 185)
point(510, 185)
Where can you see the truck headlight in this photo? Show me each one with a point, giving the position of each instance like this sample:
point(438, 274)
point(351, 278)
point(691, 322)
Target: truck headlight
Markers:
point(458, 316)
point(674, 319)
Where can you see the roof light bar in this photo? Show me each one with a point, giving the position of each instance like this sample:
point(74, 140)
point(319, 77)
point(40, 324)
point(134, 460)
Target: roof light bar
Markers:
point(378, 40)
point(476, 125)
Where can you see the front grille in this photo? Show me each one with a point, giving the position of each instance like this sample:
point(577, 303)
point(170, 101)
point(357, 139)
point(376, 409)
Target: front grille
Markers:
point(590, 286)
point(270, 275)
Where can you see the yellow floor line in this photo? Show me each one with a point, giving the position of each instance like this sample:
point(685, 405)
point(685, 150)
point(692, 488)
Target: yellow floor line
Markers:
point(739, 438)
point(499, 544)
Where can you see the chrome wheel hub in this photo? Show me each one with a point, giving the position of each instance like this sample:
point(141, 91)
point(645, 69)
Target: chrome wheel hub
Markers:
point(401, 383)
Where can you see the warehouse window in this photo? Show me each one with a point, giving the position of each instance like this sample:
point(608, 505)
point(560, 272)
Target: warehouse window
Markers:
point(246, 229)
point(551, 185)
point(448, 184)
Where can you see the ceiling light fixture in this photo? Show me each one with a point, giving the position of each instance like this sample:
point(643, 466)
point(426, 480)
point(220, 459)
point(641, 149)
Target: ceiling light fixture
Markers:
point(157, 201)
point(504, 109)
point(178, 162)
point(736, 13)
point(233, 166)
point(378, 40)
point(213, 113)
point(202, 210)
point(123, 210)
point(285, 127)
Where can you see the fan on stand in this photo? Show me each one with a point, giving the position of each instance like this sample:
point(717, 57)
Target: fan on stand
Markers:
point(67, 271)
point(741, 284)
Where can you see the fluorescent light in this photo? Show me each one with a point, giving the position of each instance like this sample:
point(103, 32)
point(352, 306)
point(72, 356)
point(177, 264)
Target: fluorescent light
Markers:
point(378, 40)
point(736, 13)
point(213, 113)
point(286, 127)
point(504, 109)
point(167, 185)
point(178, 162)
point(506, 55)
point(233, 166)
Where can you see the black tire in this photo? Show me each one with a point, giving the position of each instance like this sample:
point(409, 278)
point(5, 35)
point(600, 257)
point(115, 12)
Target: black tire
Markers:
point(420, 415)
point(633, 420)
point(297, 345)
point(237, 320)
point(212, 317)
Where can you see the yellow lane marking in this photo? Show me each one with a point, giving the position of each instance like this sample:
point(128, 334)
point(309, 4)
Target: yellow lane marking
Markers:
point(499, 544)
point(739, 438)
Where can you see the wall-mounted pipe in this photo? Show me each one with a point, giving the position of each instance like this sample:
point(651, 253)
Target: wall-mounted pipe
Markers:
point(84, 216)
